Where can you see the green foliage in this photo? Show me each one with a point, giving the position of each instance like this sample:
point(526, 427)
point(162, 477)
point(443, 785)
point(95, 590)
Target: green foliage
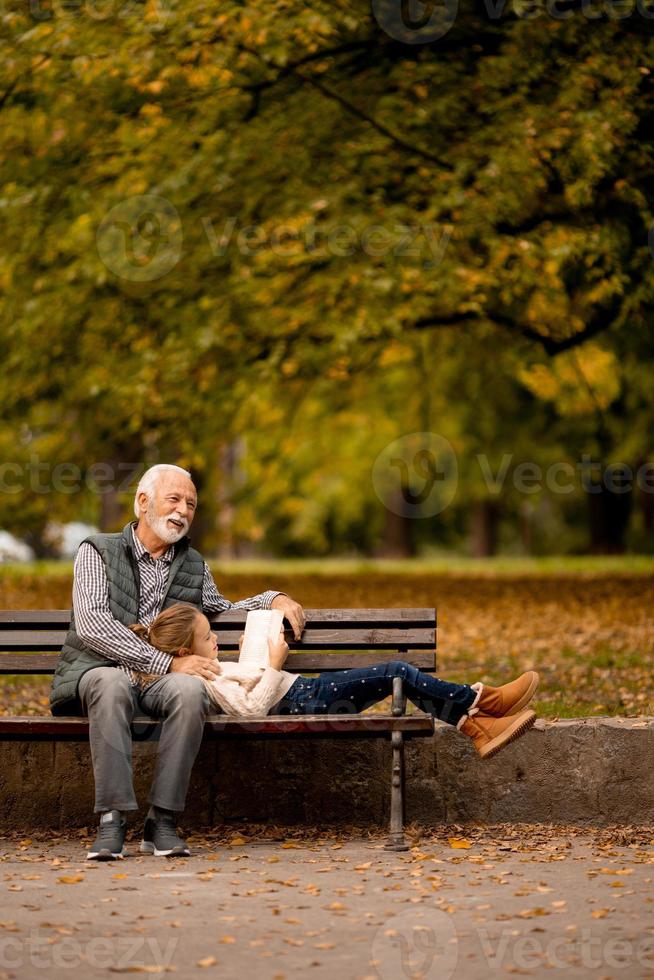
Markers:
point(265, 294)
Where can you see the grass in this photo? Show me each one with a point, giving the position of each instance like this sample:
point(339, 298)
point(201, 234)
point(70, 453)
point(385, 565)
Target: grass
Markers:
point(439, 564)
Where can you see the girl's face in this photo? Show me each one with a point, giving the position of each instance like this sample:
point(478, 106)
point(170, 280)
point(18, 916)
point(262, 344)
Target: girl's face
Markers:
point(205, 643)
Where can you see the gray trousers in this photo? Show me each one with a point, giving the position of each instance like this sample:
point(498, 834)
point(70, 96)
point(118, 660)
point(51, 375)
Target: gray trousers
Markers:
point(110, 700)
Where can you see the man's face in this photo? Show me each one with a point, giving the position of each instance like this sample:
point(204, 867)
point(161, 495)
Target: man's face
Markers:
point(171, 508)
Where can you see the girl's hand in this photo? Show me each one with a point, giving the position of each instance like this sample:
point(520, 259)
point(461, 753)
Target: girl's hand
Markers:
point(278, 651)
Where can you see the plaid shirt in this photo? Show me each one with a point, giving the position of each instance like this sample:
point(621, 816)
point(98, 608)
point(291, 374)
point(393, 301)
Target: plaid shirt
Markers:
point(100, 631)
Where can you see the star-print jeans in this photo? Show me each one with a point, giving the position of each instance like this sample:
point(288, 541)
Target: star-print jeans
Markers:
point(350, 691)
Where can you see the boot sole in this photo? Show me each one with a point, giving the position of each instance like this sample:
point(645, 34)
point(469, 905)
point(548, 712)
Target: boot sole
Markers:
point(527, 696)
point(105, 855)
point(147, 847)
point(521, 725)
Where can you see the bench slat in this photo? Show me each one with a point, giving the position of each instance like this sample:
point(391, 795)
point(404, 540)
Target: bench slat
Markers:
point(34, 663)
point(347, 618)
point(218, 726)
point(317, 639)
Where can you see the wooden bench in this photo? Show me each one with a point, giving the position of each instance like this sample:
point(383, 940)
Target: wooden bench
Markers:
point(334, 639)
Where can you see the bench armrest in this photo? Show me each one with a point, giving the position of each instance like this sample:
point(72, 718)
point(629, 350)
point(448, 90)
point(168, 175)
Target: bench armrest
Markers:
point(399, 697)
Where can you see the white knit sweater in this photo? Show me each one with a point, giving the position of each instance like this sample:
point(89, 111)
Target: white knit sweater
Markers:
point(248, 692)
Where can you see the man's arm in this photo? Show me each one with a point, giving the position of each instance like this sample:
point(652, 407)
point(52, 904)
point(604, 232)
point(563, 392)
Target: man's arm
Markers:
point(96, 625)
point(213, 601)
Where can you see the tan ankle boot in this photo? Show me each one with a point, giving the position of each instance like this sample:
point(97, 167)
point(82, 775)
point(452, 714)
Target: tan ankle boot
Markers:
point(489, 735)
point(508, 699)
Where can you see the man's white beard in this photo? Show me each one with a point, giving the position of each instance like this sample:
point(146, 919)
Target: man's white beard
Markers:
point(160, 526)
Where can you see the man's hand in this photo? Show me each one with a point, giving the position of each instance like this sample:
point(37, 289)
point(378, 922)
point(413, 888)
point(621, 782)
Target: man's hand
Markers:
point(197, 666)
point(293, 612)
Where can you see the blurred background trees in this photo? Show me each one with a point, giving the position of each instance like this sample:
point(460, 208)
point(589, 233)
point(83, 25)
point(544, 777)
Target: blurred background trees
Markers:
point(266, 242)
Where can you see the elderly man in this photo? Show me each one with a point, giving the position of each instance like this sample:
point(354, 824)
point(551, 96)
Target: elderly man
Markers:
point(121, 579)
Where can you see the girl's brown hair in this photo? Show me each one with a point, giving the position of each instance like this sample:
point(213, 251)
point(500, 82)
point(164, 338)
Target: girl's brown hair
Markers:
point(172, 629)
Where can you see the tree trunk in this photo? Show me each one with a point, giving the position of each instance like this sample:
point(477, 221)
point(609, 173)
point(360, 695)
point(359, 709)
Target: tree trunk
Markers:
point(483, 528)
point(397, 540)
point(226, 511)
point(646, 500)
point(609, 514)
point(527, 527)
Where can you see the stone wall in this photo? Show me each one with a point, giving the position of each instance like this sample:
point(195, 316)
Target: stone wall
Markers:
point(591, 771)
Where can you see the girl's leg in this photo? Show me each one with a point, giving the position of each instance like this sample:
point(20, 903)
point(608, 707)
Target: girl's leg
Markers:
point(350, 691)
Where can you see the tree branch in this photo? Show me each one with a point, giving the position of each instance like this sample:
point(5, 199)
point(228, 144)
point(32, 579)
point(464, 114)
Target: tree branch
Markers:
point(602, 320)
point(380, 127)
point(293, 69)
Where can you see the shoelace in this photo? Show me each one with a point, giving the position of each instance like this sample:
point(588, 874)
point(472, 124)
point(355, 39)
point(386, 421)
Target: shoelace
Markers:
point(166, 823)
point(108, 830)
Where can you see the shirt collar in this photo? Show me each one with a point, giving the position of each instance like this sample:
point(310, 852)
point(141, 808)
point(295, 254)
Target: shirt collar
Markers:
point(140, 550)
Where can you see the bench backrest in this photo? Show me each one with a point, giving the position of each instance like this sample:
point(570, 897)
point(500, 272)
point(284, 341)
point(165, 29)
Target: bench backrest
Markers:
point(334, 639)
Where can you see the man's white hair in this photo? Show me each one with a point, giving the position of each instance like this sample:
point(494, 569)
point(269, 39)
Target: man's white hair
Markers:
point(151, 477)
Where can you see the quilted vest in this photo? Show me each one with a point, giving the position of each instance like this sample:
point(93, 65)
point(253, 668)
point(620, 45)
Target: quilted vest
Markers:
point(116, 550)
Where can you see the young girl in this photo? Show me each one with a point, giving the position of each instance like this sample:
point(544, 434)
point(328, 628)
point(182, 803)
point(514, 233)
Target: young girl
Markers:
point(182, 630)
point(491, 716)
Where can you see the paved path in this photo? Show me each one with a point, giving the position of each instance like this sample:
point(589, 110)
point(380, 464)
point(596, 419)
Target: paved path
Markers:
point(519, 900)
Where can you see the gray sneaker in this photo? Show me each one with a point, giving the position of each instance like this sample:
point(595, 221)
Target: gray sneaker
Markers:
point(109, 844)
point(160, 838)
